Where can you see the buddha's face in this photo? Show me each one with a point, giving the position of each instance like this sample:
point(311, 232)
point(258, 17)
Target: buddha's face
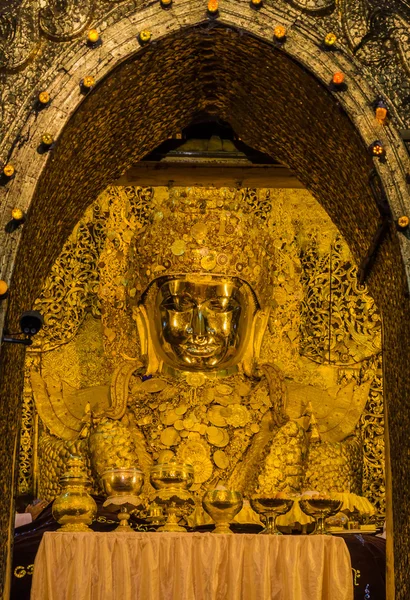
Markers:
point(202, 326)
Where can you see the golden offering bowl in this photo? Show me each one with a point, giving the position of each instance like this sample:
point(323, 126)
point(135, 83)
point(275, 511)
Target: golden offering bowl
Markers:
point(222, 506)
point(270, 509)
point(171, 481)
point(172, 475)
point(74, 508)
point(122, 485)
point(320, 509)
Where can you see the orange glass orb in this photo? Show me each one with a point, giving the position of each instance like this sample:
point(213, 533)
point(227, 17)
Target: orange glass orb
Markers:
point(3, 287)
point(93, 36)
point(381, 114)
point(88, 82)
point(279, 32)
point(8, 170)
point(213, 6)
point(166, 2)
point(17, 214)
point(403, 222)
point(338, 78)
point(145, 36)
point(257, 3)
point(44, 97)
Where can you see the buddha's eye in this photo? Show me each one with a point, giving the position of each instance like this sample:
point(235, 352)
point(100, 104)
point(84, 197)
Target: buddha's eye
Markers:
point(222, 304)
point(178, 303)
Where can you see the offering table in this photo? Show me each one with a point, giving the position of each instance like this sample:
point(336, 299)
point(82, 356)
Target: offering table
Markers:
point(198, 566)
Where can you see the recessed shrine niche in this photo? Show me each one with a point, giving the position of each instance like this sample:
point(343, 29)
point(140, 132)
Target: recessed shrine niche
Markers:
point(86, 371)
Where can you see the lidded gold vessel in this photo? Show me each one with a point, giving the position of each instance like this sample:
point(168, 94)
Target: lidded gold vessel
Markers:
point(74, 508)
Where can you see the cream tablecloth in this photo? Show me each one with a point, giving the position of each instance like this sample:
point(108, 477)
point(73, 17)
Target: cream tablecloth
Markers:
point(198, 566)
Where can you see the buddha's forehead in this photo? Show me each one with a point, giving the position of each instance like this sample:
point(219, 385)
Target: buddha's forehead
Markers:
point(204, 287)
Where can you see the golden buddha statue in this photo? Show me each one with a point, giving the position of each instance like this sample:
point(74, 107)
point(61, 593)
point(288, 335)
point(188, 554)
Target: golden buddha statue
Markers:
point(200, 287)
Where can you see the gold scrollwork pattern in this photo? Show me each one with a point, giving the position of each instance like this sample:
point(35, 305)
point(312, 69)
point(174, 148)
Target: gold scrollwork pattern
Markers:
point(20, 571)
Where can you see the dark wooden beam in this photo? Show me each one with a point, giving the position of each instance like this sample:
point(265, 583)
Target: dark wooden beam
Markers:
point(165, 173)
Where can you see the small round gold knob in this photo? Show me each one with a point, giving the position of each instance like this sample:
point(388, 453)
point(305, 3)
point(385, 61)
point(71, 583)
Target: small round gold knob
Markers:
point(47, 139)
point(93, 36)
point(403, 222)
point(3, 287)
point(145, 36)
point(330, 40)
point(17, 214)
point(44, 97)
point(8, 170)
point(88, 82)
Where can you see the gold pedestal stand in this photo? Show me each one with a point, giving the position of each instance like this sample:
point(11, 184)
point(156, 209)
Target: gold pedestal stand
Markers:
point(171, 481)
point(222, 506)
point(123, 486)
point(270, 509)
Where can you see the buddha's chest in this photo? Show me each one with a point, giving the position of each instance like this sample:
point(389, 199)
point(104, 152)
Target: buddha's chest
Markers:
point(209, 426)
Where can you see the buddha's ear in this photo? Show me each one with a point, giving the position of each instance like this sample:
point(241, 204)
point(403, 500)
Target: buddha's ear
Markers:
point(140, 316)
point(258, 328)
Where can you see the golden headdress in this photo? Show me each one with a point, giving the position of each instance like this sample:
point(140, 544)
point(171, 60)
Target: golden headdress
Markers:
point(219, 232)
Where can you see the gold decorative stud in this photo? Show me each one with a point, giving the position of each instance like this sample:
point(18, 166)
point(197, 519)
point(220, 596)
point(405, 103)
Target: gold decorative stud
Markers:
point(44, 98)
point(330, 40)
point(47, 139)
point(403, 222)
point(145, 36)
point(256, 3)
point(166, 3)
point(8, 170)
point(17, 214)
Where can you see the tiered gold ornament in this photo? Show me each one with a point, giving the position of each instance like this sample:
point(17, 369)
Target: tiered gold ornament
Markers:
point(270, 509)
point(222, 506)
point(123, 486)
point(74, 509)
point(172, 481)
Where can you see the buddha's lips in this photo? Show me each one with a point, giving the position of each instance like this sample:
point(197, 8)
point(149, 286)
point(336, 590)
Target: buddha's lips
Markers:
point(202, 349)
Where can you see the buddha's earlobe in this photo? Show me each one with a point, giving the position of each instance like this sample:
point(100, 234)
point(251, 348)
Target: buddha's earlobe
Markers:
point(258, 328)
point(140, 316)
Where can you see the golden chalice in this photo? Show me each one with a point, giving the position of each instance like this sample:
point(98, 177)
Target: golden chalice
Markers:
point(222, 506)
point(270, 509)
point(320, 509)
point(171, 481)
point(122, 486)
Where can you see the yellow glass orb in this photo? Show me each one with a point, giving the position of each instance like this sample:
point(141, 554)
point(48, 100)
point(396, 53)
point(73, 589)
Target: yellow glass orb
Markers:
point(256, 3)
point(279, 32)
point(17, 214)
point(3, 287)
point(213, 6)
point(89, 81)
point(381, 114)
point(47, 139)
point(330, 39)
point(166, 2)
point(8, 170)
point(403, 222)
point(93, 36)
point(145, 36)
point(44, 97)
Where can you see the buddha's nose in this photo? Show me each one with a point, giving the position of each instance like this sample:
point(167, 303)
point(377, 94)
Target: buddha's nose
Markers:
point(198, 325)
